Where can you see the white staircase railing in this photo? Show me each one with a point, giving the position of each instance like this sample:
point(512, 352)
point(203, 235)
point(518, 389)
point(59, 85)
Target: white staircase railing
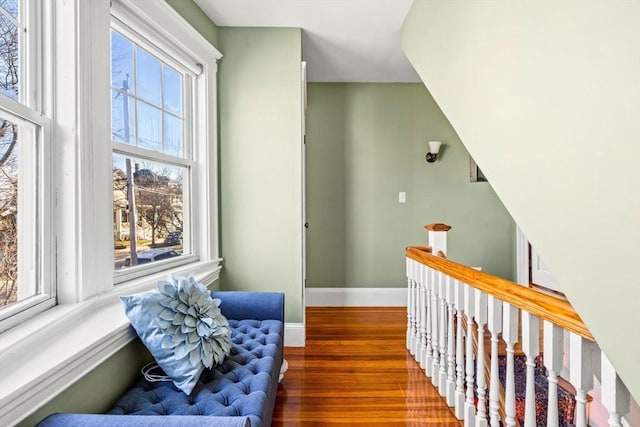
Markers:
point(449, 303)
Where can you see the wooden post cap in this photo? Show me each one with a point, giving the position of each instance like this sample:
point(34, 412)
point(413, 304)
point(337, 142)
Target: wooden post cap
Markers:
point(437, 226)
point(426, 249)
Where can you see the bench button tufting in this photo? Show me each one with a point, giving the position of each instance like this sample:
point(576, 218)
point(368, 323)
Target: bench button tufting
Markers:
point(248, 367)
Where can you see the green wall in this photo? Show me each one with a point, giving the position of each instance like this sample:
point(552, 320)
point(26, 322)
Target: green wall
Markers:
point(99, 389)
point(197, 18)
point(260, 99)
point(366, 143)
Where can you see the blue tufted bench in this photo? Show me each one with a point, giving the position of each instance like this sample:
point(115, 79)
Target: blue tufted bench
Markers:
point(239, 392)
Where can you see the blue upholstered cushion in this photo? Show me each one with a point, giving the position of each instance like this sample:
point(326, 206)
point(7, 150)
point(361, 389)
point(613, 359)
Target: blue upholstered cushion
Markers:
point(245, 384)
point(97, 420)
point(182, 327)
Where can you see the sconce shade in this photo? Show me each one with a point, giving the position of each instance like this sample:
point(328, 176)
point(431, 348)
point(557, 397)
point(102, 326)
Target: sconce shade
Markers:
point(434, 146)
point(432, 155)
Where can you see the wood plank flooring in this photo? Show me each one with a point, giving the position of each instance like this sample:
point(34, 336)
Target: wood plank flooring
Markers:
point(355, 370)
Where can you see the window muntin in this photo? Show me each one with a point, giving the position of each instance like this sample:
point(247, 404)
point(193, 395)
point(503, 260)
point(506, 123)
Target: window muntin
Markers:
point(151, 170)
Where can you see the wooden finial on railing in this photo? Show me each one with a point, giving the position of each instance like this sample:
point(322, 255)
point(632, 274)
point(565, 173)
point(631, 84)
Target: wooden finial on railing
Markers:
point(438, 238)
point(437, 226)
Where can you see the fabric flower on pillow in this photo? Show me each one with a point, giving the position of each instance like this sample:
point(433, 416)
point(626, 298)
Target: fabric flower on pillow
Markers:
point(182, 327)
point(193, 325)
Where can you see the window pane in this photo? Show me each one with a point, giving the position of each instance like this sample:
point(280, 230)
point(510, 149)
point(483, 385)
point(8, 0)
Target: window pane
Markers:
point(148, 77)
point(172, 135)
point(149, 127)
point(172, 86)
point(156, 122)
point(9, 57)
point(156, 192)
point(8, 213)
point(121, 63)
point(11, 6)
point(18, 191)
point(122, 118)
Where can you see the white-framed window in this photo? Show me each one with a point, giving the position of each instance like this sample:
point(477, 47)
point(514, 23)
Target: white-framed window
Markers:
point(63, 164)
point(26, 283)
point(144, 123)
point(152, 139)
point(163, 164)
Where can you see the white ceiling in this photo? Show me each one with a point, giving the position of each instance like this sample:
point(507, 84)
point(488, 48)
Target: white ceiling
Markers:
point(343, 40)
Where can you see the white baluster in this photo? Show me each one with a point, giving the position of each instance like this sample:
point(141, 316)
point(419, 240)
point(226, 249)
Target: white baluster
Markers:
point(495, 328)
point(469, 407)
point(427, 361)
point(416, 309)
point(411, 304)
point(435, 338)
point(531, 348)
point(615, 396)
point(421, 346)
point(411, 289)
point(510, 337)
point(581, 374)
point(451, 366)
point(442, 334)
point(553, 351)
point(408, 335)
point(459, 303)
point(480, 314)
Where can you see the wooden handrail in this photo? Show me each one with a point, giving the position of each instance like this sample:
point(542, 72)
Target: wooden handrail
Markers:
point(553, 309)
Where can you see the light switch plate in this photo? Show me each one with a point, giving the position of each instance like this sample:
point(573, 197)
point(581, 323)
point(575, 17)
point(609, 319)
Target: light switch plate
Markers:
point(402, 197)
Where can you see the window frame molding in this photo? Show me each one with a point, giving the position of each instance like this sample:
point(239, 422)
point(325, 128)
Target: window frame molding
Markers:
point(166, 52)
point(201, 59)
point(88, 325)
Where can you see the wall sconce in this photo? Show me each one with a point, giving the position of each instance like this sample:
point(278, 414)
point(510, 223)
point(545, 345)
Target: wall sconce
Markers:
point(434, 147)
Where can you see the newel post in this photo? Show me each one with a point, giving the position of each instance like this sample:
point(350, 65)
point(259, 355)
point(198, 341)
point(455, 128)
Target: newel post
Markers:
point(438, 238)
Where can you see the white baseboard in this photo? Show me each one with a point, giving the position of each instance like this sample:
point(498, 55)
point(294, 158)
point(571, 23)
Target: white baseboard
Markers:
point(356, 297)
point(294, 335)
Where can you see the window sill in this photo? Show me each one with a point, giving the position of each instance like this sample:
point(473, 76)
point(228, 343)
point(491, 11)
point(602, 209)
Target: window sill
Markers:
point(43, 356)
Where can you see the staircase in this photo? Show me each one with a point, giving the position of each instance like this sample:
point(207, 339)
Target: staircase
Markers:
point(453, 310)
point(545, 97)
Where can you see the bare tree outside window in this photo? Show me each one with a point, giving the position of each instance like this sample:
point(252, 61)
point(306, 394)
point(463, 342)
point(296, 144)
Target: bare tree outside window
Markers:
point(9, 72)
point(157, 194)
point(8, 213)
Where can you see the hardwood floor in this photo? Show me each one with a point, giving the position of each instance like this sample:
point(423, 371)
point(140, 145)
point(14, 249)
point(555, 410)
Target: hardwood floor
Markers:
point(355, 369)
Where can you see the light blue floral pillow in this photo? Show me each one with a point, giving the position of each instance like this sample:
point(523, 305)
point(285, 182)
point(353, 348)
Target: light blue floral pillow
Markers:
point(182, 327)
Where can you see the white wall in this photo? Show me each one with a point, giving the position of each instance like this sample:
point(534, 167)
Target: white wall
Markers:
point(546, 97)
